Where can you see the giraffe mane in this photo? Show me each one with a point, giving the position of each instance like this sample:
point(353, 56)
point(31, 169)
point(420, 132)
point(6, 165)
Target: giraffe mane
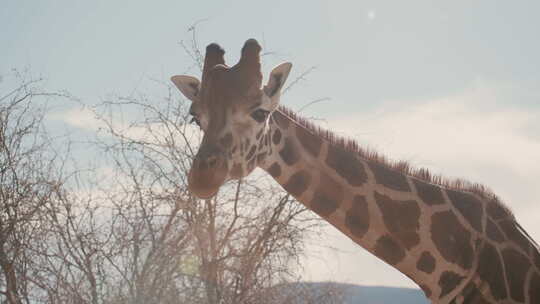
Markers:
point(370, 155)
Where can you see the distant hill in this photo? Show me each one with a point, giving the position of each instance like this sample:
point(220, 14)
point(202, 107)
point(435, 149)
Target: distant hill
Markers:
point(383, 295)
point(358, 294)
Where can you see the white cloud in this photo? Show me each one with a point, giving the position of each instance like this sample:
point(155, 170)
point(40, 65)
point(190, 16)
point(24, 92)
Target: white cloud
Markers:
point(457, 131)
point(82, 118)
point(470, 135)
point(473, 135)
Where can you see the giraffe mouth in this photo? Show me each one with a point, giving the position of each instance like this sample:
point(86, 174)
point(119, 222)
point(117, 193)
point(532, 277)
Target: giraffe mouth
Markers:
point(204, 180)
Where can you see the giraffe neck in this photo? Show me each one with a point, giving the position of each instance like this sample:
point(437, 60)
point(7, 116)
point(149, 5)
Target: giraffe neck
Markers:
point(431, 234)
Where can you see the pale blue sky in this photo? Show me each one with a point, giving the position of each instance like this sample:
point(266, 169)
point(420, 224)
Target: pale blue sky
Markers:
point(453, 86)
point(408, 49)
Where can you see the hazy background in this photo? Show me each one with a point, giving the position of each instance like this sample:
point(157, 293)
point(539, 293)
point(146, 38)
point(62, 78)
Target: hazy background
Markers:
point(453, 87)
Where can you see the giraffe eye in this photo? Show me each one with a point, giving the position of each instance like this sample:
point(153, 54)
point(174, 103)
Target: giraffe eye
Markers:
point(260, 115)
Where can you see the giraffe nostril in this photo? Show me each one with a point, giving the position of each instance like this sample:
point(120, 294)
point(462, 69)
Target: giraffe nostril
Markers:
point(212, 161)
point(209, 158)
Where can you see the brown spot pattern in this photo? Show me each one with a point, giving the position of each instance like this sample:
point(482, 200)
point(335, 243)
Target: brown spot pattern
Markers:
point(426, 262)
point(274, 170)
point(327, 197)
point(509, 227)
point(516, 267)
point(261, 157)
point(496, 211)
point(281, 120)
point(297, 183)
point(452, 240)
point(309, 141)
point(490, 270)
point(471, 294)
point(401, 219)
point(388, 250)
point(449, 281)
point(226, 141)
point(430, 194)
point(276, 137)
point(469, 206)
point(289, 154)
point(426, 289)
point(493, 232)
point(389, 178)
point(357, 217)
point(347, 165)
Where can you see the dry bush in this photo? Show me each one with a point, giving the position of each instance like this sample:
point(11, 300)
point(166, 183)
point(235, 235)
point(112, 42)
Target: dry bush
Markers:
point(128, 230)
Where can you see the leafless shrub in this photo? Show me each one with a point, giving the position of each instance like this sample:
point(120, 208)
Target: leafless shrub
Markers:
point(29, 181)
point(129, 231)
point(239, 243)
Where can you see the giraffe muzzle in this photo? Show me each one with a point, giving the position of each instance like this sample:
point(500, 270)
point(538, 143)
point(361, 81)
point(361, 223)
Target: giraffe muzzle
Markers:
point(208, 172)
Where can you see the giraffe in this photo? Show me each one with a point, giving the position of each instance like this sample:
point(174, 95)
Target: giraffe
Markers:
point(456, 240)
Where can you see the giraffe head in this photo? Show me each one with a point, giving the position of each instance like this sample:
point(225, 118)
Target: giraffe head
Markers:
point(232, 108)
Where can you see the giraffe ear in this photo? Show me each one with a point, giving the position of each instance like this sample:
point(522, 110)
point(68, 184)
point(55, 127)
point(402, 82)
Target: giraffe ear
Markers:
point(278, 76)
point(189, 86)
